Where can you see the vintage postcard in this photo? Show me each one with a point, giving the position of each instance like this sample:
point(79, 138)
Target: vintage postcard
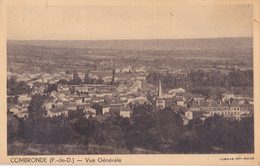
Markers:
point(127, 82)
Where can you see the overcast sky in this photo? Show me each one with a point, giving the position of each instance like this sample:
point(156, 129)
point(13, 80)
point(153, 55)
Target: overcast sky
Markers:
point(128, 22)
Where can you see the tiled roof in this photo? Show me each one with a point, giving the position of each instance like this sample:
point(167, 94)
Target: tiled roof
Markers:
point(234, 104)
point(77, 98)
point(224, 104)
point(179, 99)
point(183, 117)
point(58, 109)
point(50, 99)
point(213, 104)
point(194, 104)
point(26, 102)
point(169, 103)
point(90, 113)
point(184, 109)
point(9, 105)
point(198, 114)
point(82, 104)
point(238, 95)
point(204, 104)
point(122, 108)
point(71, 104)
point(186, 94)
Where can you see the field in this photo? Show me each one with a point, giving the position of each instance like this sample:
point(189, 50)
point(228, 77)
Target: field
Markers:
point(194, 45)
point(49, 55)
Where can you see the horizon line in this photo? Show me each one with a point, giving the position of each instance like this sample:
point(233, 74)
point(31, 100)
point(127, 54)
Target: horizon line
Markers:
point(123, 39)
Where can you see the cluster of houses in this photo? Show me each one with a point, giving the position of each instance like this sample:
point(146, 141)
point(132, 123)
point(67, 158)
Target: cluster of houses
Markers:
point(100, 100)
point(43, 78)
point(197, 106)
point(203, 109)
point(20, 109)
point(93, 99)
point(123, 69)
point(126, 69)
point(110, 99)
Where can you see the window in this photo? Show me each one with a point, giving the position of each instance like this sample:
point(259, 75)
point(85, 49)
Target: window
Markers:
point(235, 108)
point(160, 101)
point(231, 113)
point(225, 113)
point(235, 113)
point(228, 113)
point(238, 108)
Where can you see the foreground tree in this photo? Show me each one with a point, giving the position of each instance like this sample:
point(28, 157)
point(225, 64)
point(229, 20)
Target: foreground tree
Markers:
point(158, 131)
point(35, 109)
point(218, 135)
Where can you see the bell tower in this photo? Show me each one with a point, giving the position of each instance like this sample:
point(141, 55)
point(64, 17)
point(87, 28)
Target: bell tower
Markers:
point(160, 101)
point(160, 93)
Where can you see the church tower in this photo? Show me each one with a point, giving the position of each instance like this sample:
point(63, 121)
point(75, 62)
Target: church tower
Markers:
point(160, 101)
point(160, 93)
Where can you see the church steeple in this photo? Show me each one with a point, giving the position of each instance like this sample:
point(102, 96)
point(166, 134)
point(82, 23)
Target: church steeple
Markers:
point(160, 92)
point(160, 101)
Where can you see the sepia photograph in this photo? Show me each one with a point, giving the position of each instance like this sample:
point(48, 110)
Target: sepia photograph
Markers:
point(129, 80)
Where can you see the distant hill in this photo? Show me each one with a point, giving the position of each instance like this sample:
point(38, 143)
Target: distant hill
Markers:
point(160, 44)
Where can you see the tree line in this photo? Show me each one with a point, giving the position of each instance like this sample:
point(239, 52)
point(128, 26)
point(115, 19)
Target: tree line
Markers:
point(208, 83)
point(235, 78)
point(76, 80)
